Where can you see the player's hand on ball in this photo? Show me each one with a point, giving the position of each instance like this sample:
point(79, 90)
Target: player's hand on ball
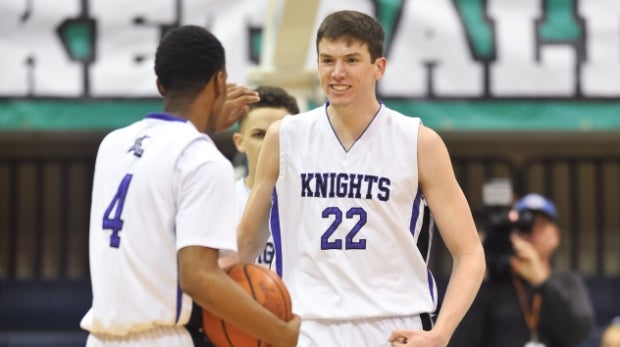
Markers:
point(416, 338)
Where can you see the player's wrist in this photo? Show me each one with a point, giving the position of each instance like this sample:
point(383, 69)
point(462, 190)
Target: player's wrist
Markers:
point(288, 333)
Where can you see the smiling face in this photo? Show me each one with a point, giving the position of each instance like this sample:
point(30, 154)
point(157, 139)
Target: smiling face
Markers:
point(346, 72)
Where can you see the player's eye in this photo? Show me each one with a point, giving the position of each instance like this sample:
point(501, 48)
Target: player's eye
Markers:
point(258, 134)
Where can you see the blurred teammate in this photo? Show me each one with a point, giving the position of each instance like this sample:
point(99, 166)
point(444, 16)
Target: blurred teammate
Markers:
point(274, 104)
point(351, 179)
point(162, 207)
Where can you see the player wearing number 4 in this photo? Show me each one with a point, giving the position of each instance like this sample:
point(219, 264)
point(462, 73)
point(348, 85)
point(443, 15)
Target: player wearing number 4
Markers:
point(350, 181)
point(163, 206)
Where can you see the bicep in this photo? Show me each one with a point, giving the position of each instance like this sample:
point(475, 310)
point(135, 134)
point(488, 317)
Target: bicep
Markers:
point(193, 262)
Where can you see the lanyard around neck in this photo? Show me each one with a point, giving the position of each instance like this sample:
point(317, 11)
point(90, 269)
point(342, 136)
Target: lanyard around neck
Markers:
point(530, 313)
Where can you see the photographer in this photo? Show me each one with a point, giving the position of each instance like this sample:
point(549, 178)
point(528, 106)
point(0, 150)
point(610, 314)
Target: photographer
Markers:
point(524, 301)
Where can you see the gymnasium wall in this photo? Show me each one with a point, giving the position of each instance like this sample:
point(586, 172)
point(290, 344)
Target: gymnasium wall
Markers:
point(459, 64)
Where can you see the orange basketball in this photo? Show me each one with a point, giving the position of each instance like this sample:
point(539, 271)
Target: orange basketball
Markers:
point(266, 287)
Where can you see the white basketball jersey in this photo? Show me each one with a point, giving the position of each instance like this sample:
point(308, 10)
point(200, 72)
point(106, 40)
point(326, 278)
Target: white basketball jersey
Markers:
point(159, 185)
point(243, 193)
point(347, 224)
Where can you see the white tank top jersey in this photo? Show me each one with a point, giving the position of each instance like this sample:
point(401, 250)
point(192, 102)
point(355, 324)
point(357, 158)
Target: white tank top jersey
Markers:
point(243, 193)
point(348, 225)
point(159, 185)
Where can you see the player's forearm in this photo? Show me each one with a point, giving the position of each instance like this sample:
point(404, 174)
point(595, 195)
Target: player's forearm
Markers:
point(227, 300)
point(467, 274)
point(247, 246)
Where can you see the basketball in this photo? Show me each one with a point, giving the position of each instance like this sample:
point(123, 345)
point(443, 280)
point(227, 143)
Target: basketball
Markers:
point(266, 287)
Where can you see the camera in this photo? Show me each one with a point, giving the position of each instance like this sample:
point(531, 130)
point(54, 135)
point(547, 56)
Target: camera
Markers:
point(497, 245)
point(501, 220)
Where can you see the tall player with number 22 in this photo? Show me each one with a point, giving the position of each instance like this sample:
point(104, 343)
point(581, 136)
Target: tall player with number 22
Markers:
point(162, 207)
point(350, 181)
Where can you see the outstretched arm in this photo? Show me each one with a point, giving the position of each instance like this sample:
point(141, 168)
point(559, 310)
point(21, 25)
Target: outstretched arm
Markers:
point(255, 218)
point(458, 231)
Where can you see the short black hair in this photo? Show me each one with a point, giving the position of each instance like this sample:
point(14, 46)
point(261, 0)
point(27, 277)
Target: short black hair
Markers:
point(187, 58)
point(271, 96)
point(276, 97)
point(353, 25)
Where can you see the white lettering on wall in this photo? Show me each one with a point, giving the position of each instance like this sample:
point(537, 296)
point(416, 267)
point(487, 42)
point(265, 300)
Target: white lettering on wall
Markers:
point(519, 70)
point(33, 60)
point(601, 70)
point(431, 43)
point(128, 33)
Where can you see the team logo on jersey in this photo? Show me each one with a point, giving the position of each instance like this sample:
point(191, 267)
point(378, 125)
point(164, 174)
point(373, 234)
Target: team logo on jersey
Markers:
point(345, 185)
point(137, 146)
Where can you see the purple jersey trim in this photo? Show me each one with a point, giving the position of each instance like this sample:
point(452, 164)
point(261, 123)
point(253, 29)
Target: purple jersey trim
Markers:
point(166, 117)
point(415, 213)
point(274, 220)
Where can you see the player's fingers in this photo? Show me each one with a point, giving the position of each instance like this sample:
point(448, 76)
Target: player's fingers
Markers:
point(398, 336)
point(235, 91)
point(296, 319)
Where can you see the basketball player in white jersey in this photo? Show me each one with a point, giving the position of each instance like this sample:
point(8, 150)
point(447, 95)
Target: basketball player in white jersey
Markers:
point(163, 206)
point(349, 181)
point(274, 104)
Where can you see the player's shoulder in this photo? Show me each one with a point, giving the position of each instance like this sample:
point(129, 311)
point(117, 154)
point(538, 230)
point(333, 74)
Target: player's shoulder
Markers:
point(400, 117)
point(428, 137)
point(305, 117)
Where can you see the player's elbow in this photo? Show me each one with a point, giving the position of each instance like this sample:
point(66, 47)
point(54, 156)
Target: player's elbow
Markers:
point(196, 268)
point(190, 281)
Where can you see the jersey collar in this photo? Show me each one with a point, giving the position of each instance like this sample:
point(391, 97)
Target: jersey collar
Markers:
point(165, 117)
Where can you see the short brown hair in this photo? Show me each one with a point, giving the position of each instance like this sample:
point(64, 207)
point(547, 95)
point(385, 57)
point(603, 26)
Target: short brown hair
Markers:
point(353, 25)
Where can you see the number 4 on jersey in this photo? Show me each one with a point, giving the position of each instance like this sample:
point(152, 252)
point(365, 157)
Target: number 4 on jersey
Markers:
point(116, 223)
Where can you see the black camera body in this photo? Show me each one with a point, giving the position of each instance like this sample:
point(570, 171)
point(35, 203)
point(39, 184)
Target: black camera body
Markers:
point(501, 222)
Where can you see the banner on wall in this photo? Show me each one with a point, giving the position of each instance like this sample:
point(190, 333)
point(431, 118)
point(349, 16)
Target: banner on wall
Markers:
point(467, 56)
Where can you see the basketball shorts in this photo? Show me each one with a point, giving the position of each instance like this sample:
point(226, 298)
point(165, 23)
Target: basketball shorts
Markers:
point(360, 332)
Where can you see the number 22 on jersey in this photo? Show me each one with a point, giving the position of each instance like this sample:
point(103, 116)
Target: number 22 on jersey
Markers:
point(115, 223)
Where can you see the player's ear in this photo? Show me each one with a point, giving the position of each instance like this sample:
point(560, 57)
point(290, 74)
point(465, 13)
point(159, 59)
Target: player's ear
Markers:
point(380, 64)
point(219, 83)
point(238, 140)
point(160, 88)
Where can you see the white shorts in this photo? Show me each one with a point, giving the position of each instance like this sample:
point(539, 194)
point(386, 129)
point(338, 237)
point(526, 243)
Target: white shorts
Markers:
point(373, 332)
point(156, 337)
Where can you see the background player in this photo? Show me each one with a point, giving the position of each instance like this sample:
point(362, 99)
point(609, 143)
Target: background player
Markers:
point(274, 104)
point(350, 178)
point(161, 209)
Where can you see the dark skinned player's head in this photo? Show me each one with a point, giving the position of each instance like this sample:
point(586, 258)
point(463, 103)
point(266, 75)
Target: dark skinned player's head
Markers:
point(186, 59)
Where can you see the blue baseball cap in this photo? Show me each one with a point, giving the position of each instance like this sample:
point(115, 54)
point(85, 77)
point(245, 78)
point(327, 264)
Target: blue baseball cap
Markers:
point(537, 203)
